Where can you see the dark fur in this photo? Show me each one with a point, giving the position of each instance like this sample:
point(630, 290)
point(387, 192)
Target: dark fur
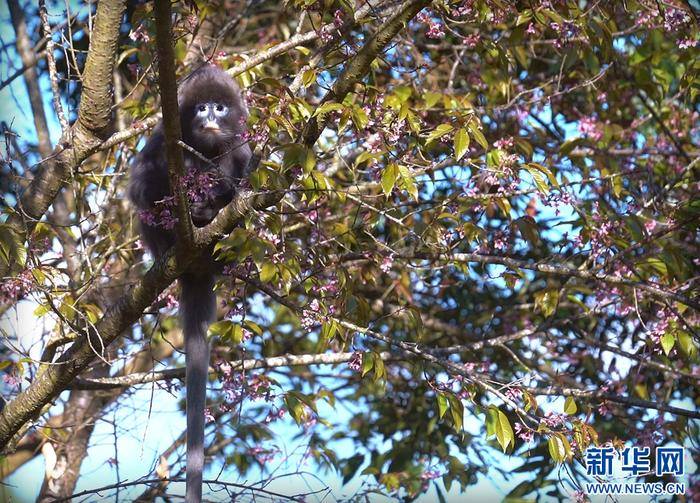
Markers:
point(149, 184)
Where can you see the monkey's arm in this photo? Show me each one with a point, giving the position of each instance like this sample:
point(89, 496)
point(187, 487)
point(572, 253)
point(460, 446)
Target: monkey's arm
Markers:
point(149, 184)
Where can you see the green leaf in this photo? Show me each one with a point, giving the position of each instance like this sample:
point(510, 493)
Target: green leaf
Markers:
point(268, 272)
point(504, 431)
point(379, 370)
point(431, 99)
point(570, 406)
point(407, 181)
point(295, 408)
point(438, 132)
point(461, 143)
point(559, 447)
point(456, 411)
point(221, 328)
point(389, 177)
point(359, 118)
point(442, 404)
point(547, 301)
point(685, 342)
point(539, 180)
point(309, 77)
point(478, 135)
point(667, 342)
point(236, 333)
point(367, 363)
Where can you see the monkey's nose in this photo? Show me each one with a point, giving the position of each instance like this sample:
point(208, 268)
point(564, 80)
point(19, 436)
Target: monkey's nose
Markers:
point(211, 126)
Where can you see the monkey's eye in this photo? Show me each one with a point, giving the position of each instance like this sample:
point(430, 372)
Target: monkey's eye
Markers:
point(202, 108)
point(219, 108)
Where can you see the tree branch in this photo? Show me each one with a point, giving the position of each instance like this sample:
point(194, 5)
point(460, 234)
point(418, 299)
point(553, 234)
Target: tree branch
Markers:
point(557, 270)
point(171, 121)
point(249, 364)
point(86, 135)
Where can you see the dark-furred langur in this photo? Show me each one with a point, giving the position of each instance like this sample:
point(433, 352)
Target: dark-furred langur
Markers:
point(212, 117)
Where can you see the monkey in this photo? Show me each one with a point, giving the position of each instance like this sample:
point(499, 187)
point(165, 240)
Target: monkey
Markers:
point(212, 118)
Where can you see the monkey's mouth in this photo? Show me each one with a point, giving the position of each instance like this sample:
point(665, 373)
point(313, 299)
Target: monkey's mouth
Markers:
point(211, 127)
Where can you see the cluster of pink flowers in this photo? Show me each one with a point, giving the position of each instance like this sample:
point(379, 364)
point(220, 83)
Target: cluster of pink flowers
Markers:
point(590, 127)
point(396, 131)
point(566, 31)
point(373, 143)
point(523, 432)
point(504, 143)
point(652, 434)
point(435, 28)
point(387, 264)
point(309, 316)
point(675, 19)
point(265, 234)
point(338, 18)
point(355, 363)
point(558, 199)
point(16, 287)
point(11, 379)
point(140, 34)
point(687, 43)
point(579, 496)
point(161, 215)
point(262, 455)
point(466, 8)
point(554, 419)
point(658, 328)
point(427, 476)
point(472, 40)
point(170, 299)
point(199, 185)
point(514, 393)
point(326, 34)
point(274, 415)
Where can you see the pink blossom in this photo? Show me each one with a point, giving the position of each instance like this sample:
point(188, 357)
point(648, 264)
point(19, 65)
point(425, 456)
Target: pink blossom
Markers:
point(355, 363)
point(524, 433)
point(580, 497)
point(326, 34)
point(687, 43)
point(435, 31)
point(472, 40)
point(590, 128)
point(504, 143)
point(553, 419)
point(16, 287)
point(386, 264)
point(338, 18)
point(140, 35)
point(674, 18)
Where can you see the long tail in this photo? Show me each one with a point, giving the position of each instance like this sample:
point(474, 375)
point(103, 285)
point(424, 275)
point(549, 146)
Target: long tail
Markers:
point(198, 310)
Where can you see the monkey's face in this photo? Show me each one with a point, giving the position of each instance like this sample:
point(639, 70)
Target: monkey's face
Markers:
point(211, 124)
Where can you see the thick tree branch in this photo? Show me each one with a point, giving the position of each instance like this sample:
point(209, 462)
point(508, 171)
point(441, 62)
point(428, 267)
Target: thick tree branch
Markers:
point(171, 120)
point(88, 132)
point(249, 364)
